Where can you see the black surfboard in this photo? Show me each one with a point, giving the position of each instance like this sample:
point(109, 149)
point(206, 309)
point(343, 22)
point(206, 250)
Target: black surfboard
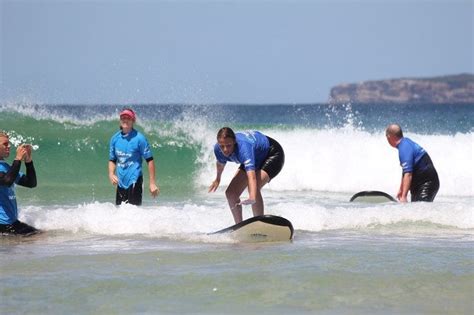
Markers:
point(372, 197)
point(263, 228)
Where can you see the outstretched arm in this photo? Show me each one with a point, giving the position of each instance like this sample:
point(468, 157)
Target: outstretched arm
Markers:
point(216, 182)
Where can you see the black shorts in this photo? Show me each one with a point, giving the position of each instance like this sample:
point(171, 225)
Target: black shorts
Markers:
point(425, 181)
point(18, 228)
point(274, 161)
point(131, 195)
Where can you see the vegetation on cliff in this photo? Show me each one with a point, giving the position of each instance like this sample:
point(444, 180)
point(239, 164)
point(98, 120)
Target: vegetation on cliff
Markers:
point(444, 89)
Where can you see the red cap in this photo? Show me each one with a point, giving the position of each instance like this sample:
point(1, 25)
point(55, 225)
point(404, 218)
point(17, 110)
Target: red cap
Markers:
point(129, 113)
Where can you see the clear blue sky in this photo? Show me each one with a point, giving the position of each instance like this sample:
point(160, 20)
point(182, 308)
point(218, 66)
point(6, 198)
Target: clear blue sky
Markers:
point(231, 51)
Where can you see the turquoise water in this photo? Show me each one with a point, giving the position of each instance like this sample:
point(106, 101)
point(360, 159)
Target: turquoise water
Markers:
point(327, 272)
point(72, 143)
point(345, 257)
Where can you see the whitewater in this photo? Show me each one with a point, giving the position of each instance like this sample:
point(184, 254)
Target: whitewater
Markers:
point(345, 257)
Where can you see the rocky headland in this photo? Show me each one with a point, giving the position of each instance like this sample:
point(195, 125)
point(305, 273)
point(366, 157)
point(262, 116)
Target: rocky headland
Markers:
point(452, 89)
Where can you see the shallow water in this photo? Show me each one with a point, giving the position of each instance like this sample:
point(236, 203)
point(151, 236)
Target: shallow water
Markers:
point(345, 258)
point(325, 272)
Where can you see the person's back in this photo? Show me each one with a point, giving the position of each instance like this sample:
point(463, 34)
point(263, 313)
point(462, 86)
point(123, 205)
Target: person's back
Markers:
point(419, 175)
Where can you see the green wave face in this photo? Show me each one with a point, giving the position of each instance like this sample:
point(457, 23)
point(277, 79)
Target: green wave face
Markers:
point(71, 159)
point(72, 142)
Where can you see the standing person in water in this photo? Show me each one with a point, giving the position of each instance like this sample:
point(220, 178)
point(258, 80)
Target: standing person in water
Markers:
point(261, 158)
point(127, 149)
point(419, 175)
point(9, 176)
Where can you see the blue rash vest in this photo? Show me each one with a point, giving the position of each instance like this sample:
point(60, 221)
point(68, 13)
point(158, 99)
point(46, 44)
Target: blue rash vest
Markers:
point(251, 149)
point(127, 152)
point(409, 153)
point(8, 206)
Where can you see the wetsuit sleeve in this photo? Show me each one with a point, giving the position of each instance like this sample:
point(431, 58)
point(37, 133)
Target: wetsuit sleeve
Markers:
point(406, 154)
point(145, 149)
point(9, 178)
point(247, 156)
point(112, 156)
point(28, 180)
point(219, 156)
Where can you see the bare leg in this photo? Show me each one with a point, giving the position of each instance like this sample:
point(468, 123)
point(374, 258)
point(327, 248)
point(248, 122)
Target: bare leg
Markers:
point(262, 180)
point(233, 192)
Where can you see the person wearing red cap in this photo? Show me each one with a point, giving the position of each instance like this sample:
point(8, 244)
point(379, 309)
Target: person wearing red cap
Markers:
point(127, 149)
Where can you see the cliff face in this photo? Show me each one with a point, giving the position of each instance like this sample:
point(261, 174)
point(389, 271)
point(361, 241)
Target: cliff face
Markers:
point(446, 89)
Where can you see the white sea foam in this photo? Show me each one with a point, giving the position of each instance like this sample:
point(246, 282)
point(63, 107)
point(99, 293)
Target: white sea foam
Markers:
point(348, 160)
point(195, 220)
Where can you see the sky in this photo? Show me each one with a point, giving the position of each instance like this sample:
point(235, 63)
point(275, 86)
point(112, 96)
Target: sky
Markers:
point(220, 52)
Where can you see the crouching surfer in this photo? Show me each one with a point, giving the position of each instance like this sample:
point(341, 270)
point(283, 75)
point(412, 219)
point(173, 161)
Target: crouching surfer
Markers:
point(261, 158)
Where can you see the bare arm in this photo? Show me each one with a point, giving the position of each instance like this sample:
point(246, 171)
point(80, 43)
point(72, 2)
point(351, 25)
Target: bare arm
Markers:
point(154, 189)
point(252, 185)
point(112, 177)
point(216, 182)
point(405, 187)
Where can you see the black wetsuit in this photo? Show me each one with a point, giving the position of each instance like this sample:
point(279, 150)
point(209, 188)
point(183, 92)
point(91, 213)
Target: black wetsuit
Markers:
point(7, 180)
point(132, 194)
point(425, 181)
point(415, 160)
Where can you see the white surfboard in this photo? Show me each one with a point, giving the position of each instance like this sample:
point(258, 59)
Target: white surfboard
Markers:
point(372, 197)
point(264, 228)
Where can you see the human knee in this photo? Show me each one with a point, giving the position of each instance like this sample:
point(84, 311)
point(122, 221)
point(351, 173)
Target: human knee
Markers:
point(231, 194)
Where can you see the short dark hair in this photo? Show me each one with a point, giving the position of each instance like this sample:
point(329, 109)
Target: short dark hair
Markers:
point(225, 132)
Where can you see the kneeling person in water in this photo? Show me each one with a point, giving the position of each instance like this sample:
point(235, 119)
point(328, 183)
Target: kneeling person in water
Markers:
point(261, 158)
point(127, 149)
point(419, 174)
point(9, 176)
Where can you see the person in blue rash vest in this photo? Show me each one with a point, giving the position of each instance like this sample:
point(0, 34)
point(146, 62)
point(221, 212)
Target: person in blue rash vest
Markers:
point(127, 149)
point(261, 158)
point(9, 176)
point(419, 175)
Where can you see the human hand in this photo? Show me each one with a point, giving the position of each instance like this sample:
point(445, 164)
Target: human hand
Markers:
point(113, 179)
point(246, 202)
point(154, 190)
point(214, 185)
point(21, 152)
point(403, 199)
point(399, 194)
point(29, 150)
